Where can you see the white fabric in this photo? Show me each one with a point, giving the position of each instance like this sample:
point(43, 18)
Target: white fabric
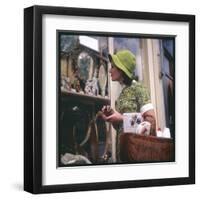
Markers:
point(146, 107)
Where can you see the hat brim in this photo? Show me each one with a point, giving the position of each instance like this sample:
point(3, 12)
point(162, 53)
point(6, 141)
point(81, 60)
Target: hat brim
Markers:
point(118, 64)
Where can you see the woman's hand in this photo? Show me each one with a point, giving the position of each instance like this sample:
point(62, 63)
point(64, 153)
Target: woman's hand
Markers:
point(107, 110)
point(114, 118)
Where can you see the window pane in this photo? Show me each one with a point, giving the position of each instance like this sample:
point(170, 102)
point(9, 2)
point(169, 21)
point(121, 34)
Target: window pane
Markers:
point(169, 46)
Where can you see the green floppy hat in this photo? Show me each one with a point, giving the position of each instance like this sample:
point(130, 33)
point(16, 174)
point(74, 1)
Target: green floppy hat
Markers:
point(124, 60)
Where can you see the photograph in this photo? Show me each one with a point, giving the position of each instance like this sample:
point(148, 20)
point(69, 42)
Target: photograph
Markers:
point(108, 99)
point(116, 98)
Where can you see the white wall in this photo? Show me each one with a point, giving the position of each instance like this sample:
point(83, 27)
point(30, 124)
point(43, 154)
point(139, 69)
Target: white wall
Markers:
point(11, 100)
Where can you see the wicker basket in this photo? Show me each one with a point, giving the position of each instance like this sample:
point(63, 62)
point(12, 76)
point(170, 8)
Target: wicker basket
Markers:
point(141, 148)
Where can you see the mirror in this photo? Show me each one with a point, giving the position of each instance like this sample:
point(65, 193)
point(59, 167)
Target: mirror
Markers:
point(102, 79)
point(85, 66)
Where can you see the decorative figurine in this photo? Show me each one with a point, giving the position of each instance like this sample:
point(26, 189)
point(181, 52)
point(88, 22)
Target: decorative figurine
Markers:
point(91, 86)
point(65, 83)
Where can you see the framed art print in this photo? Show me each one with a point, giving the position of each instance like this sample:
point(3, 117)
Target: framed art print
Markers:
point(109, 99)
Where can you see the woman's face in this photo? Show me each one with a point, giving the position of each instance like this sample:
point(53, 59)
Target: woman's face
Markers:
point(116, 74)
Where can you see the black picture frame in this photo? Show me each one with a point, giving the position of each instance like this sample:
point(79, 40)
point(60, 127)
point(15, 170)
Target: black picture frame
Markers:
point(33, 95)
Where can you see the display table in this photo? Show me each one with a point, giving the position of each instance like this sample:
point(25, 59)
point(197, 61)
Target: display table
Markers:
point(142, 148)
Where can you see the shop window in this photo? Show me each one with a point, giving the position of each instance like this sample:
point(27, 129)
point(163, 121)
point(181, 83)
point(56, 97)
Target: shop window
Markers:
point(168, 78)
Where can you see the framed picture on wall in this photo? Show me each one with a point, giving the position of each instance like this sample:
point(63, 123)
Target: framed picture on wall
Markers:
point(108, 95)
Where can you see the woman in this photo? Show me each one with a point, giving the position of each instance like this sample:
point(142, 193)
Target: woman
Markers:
point(133, 96)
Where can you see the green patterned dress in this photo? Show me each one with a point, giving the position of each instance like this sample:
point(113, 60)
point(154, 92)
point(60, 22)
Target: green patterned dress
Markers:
point(131, 99)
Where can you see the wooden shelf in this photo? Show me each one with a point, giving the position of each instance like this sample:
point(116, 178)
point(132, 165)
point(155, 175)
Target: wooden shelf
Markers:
point(85, 97)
